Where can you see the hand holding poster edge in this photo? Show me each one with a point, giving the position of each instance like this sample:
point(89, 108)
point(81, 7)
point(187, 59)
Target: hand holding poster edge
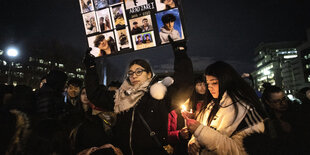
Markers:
point(179, 45)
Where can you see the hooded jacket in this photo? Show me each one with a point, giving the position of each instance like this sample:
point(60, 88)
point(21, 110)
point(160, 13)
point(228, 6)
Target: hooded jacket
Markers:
point(174, 34)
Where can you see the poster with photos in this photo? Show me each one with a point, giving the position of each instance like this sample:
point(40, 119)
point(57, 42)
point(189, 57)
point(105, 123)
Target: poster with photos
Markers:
point(144, 40)
point(90, 23)
point(134, 3)
point(100, 4)
point(121, 26)
point(118, 16)
point(123, 39)
point(166, 4)
point(169, 23)
point(86, 6)
point(104, 20)
point(103, 44)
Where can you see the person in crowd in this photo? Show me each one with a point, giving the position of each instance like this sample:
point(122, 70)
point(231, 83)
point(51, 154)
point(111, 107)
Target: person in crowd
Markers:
point(285, 123)
point(136, 29)
point(15, 117)
point(114, 85)
point(6, 93)
point(146, 26)
point(169, 3)
point(86, 105)
point(137, 105)
point(42, 81)
point(233, 111)
point(94, 129)
point(199, 94)
point(168, 29)
point(50, 99)
point(48, 137)
point(73, 94)
point(106, 46)
point(178, 135)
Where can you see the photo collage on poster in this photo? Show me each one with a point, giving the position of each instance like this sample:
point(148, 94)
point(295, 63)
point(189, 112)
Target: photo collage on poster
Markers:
point(119, 26)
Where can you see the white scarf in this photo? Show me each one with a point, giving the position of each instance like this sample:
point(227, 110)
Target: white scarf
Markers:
point(127, 95)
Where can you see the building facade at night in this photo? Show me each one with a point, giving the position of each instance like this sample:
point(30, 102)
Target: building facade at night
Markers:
point(284, 64)
point(272, 61)
point(29, 70)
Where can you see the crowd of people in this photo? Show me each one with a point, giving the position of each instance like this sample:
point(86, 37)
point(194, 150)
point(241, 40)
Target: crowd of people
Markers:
point(143, 114)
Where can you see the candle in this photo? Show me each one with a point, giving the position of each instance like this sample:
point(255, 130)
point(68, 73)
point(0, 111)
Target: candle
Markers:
point(183, 107)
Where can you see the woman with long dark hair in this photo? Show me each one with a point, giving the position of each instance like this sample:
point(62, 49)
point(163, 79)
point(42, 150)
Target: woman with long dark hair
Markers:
point(141, 103)
point(232, 113)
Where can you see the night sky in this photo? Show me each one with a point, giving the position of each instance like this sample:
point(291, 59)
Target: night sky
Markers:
point(217, 30)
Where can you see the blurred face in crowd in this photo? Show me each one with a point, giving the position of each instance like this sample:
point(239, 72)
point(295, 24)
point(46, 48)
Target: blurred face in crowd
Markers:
point(42, 82)
point(278, 101)
point(308, 94)
point(73, 91)
point(84, 98)
point(137, 75)
point(213, 85)
point(200, 88)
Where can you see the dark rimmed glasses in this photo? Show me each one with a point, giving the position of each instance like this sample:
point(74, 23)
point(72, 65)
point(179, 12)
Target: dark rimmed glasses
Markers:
point(138, 72)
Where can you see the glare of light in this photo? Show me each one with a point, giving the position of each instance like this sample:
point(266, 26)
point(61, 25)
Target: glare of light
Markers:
point(12, 52)
point(266, 72)
point(183, 106)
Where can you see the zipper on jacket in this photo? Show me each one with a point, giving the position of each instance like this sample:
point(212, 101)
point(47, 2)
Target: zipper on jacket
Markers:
point(131, 126)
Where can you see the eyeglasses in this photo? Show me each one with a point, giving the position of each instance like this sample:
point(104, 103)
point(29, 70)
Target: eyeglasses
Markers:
point(284, 99)
point(138, 72)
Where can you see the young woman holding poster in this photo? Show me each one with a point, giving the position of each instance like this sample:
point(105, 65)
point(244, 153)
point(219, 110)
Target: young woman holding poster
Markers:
point(233, 112)
point(142, 104)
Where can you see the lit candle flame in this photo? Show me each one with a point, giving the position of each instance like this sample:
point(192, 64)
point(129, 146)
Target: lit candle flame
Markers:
point(183, 106)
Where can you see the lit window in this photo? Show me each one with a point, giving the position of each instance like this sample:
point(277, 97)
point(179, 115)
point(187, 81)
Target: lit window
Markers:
point(307, 66)
point(4, 63)
point(61, 66)
point(41, 61)
point(306, 57)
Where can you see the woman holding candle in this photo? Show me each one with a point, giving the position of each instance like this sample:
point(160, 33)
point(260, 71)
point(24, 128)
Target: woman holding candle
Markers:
point(233, 112)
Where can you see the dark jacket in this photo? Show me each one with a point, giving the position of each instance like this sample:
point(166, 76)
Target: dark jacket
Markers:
point(155, 112)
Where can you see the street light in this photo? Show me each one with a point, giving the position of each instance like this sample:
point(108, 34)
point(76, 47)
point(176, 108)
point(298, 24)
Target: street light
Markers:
point(11, 52)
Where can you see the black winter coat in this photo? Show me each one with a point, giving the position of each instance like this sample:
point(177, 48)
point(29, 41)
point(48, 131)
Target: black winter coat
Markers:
point(155, 112)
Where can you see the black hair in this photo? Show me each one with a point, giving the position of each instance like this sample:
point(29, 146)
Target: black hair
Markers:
point(235, 87)
point(142, 63)
point(134, 23)
point(195, 97)
point(114, 84)
point(269, 89)
point(144, 19)
point(75, 82)
point(98, 39)
point(56, 79)
point(168, 18)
